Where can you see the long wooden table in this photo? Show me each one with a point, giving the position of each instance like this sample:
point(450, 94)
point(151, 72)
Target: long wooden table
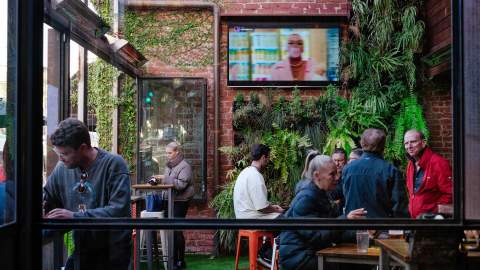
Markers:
point(170, 241)
point(347, 253)
point(396, 249)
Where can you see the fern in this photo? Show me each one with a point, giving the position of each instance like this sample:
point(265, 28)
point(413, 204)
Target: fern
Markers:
point(410, 117)
point(284, 150)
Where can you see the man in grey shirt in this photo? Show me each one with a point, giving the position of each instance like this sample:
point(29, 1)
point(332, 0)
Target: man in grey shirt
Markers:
point(89, 182)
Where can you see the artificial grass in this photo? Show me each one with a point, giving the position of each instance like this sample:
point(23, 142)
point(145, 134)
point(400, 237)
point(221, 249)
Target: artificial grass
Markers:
point(206, 262)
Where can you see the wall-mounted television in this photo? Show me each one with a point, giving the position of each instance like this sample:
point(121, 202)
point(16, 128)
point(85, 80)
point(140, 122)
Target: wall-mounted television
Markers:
point(262, 54)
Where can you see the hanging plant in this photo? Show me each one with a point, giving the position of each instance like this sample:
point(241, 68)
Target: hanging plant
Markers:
point(409, 117)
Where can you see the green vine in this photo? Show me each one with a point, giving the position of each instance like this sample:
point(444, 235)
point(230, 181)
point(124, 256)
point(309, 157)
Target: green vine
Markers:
point(181, 39)
point(100, 101)
point(128, 123)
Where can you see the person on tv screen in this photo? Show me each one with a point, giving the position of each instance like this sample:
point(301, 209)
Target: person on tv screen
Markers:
point(295, 68)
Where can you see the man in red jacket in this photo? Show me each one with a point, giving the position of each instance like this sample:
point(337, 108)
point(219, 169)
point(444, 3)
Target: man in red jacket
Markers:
point(429, 176)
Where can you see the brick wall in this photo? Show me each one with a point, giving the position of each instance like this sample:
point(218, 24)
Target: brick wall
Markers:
point(437, 106)
point(285, 7)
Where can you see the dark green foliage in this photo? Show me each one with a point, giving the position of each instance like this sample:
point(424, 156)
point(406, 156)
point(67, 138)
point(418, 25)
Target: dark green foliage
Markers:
point(379, 66)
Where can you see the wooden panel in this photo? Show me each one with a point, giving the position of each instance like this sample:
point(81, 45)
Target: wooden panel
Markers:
point(471, 50)
point(434, 18)
point(437, 24)
point(439, 9)
point(440, 37)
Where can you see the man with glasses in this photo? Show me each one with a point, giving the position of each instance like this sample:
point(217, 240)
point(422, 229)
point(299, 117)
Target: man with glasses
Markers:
point(89, 182)
point(295, 68)
point(429, 176)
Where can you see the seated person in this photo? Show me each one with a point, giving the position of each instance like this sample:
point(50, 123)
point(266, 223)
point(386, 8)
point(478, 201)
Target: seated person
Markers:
point(355, 154)
point(304, 181)
point(250, 192)
point(298, 247)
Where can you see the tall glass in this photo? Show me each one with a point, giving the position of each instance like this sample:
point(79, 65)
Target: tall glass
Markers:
point(362, 241)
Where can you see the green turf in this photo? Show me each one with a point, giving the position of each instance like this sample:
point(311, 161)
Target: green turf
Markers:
point(206, 262)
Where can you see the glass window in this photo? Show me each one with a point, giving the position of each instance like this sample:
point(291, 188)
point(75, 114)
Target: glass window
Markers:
point(173, 110)
point(8, 71)
point(51, 93)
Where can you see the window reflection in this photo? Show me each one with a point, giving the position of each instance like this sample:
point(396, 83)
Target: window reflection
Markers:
point(172, 110)
point(8, 71)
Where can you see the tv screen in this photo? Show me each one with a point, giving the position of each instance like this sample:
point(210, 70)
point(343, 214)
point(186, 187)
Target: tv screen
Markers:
point(286, 56)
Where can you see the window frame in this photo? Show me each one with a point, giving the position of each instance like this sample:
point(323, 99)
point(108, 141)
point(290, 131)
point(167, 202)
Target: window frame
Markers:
point(458, 220)
point(203, 197)
point(29, 223)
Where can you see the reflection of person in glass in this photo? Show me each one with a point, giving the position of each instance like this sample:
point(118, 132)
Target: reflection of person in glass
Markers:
point(178, 172)
point(295, 67)
point(89, 182)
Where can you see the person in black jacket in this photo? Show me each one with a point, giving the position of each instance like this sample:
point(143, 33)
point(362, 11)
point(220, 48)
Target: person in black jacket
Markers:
point(372, 182)
point(297, 248)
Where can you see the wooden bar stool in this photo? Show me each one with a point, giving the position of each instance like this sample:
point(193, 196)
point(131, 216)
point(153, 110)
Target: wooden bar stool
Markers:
point(253, 237)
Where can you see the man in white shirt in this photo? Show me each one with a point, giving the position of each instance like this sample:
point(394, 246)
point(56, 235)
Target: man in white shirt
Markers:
point(250, 192)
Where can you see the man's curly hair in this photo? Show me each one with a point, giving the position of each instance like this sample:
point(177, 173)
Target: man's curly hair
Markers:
point(70, 132)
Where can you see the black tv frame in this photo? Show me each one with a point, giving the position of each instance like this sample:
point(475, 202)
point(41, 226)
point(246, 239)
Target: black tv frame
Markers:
point(339, 22)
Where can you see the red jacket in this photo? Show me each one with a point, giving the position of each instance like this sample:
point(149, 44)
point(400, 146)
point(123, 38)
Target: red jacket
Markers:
point(436, 187)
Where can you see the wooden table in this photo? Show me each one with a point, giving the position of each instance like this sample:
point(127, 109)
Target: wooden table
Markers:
point(170, 241)
point(347, 253)
point(396, 249)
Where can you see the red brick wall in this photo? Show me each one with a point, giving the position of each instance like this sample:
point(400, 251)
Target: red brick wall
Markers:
point(437, 106)
point(285, 7)
point(438, 102)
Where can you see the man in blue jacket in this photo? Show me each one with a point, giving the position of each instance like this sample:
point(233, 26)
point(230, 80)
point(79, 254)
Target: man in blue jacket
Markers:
point(373, 183)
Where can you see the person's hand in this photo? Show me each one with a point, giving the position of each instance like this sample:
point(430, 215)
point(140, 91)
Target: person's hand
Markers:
point(277, 208)
point(357, 214)
point(159, 176)
point(371, 234)
point(59, 213)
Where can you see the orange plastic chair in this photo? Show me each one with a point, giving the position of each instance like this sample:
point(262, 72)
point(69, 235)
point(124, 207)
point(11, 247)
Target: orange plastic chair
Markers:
point(254, 238)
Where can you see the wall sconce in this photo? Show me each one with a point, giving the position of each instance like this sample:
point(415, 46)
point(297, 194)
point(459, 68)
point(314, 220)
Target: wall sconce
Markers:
point(125, 50)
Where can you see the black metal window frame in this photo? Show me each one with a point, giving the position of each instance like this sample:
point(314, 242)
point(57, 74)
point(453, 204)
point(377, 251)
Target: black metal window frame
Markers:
point(29, 222)
point(458, 220)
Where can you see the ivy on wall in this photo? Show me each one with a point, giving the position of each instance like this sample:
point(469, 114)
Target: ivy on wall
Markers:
point(182, 39)
point(101, 76)
point(128, 125)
